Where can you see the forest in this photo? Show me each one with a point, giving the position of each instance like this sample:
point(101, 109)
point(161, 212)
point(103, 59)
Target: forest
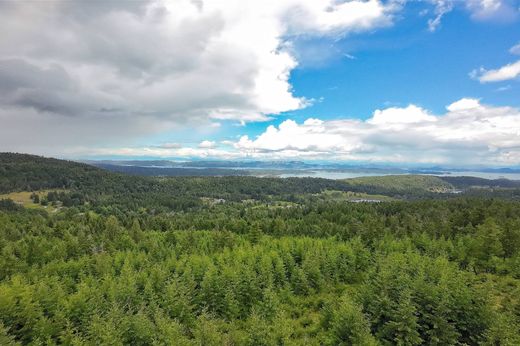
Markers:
point(92, 257)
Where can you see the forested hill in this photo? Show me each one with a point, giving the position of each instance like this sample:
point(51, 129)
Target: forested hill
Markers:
point(23, 172)
point(103, 190)
point(468, 182)
point(402, 183)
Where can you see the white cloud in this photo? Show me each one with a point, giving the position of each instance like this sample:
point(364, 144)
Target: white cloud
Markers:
point(480, 10)
point(207, 144)
point(469, 132)
point(464, 104)
point(76, 74)
point(334, 16)
point(311, 136)
point(493, 10)
point(441, 8)
point(394, 115)
point(484, 7)
point(515, 49)
point(507, 72)
point(116, 64)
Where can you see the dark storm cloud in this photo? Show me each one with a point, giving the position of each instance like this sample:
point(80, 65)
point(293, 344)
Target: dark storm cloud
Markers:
point(116, 65)
point(74, 58)
point(48, 89)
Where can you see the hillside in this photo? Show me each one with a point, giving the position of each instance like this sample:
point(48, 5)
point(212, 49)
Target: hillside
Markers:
point(23, 172)
point(403, 183)
point(472, 182)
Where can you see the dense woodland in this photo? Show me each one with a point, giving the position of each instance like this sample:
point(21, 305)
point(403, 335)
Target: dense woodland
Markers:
point(111, 259)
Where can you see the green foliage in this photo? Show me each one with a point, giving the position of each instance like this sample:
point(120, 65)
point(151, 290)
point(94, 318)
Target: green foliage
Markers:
point(487, 246)
point(9, 205)
point(348, 325)
point(146, 261)
point(411, 299)
point(5, 338)
point(404, 183)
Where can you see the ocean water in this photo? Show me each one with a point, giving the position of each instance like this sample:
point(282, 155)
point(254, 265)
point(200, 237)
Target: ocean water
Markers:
point(345, 175)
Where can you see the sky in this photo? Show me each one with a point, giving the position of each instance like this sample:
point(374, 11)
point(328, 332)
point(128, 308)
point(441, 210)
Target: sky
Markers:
point(433, 82)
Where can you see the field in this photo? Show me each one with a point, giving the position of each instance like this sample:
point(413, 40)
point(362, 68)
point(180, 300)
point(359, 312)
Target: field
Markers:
point(24, 198)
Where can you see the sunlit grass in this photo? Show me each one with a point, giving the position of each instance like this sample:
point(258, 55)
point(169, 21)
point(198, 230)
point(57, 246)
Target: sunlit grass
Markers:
point(24, 198)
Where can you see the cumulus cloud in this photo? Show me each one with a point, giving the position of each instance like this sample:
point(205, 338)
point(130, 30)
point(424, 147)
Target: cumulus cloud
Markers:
point(156, 65)
point(76, 76)
point(469, 132)
point(507, 72)
point(395, 115)
point(463, 105)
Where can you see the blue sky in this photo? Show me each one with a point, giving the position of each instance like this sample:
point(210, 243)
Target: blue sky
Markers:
point(429, 82)
point(404, 64)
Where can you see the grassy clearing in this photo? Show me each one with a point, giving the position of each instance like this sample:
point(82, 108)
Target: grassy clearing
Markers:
point(24, 198)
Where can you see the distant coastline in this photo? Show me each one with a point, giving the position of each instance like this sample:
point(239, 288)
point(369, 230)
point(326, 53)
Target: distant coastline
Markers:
point(287, 169)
